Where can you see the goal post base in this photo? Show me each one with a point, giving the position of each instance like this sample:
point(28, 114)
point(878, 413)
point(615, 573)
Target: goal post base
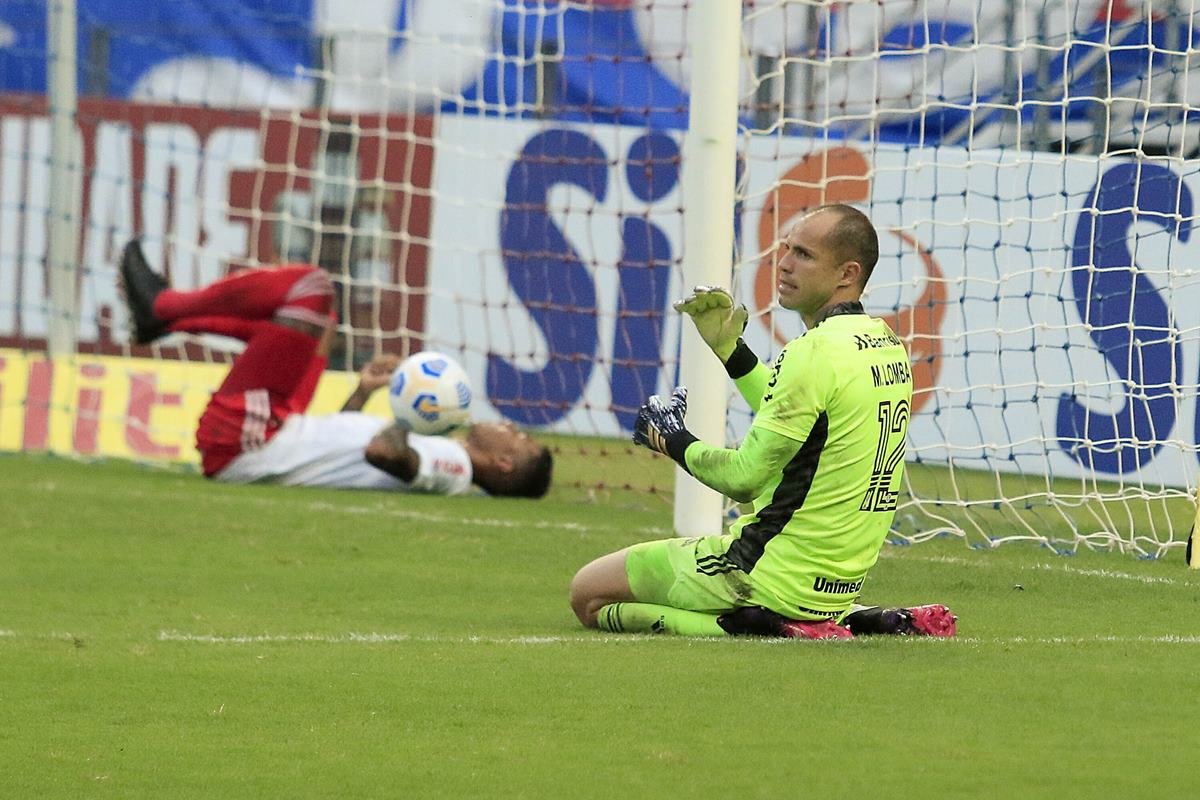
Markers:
point(1192, 553)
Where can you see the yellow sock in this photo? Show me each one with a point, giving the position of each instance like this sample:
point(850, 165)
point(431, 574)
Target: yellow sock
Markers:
point(649, 618)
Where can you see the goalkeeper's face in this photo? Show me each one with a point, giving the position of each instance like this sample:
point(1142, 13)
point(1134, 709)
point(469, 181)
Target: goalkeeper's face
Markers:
point(809, 271)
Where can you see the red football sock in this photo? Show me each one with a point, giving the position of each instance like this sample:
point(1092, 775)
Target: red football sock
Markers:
point(225, 326)
point(252, 294)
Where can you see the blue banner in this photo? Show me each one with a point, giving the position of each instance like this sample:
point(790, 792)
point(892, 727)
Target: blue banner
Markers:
point(610, 62)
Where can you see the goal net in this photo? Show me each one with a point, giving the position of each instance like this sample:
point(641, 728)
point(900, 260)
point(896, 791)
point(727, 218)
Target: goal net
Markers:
point(1030, 168)
point(501, 180)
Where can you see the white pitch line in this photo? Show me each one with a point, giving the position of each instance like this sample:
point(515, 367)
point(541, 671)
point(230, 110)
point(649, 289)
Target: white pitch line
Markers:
point(324, 506)
point(390, 638)
point(491, 522)
point(1041, 566)
point(1105, 573)
point(355, 638)
point(1168, 639)
point(377, 638)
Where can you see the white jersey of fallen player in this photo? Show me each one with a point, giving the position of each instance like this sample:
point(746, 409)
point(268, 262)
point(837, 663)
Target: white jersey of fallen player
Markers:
point(328, 451)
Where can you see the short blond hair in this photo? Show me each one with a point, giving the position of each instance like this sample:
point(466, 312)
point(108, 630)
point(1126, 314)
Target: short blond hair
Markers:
point(853, 237)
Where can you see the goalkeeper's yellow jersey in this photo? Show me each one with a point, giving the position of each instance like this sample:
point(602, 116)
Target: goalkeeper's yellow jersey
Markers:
point(843, 390)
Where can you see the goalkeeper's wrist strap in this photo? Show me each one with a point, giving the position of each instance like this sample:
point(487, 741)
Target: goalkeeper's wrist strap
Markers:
point(677, 444)
point(741, 361)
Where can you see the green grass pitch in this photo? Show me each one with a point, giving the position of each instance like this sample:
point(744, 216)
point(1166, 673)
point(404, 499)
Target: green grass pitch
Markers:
point(163, 636)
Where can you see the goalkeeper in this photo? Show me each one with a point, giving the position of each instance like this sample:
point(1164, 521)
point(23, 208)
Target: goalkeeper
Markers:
point(821, 465)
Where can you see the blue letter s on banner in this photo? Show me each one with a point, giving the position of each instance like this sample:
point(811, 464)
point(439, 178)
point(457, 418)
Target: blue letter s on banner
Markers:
point(546, 273)
point(1111, 292)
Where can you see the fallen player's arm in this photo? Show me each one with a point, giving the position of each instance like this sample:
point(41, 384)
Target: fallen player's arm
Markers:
point(389, 451)
point(357, 399)
point(372, 377)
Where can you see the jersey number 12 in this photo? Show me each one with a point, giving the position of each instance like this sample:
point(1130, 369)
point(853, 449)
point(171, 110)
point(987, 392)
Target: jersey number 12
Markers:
point(892, 421)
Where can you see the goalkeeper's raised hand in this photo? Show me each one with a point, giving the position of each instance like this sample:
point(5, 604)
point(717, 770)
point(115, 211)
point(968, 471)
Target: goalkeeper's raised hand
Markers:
point(718, 320)
point(660, 426)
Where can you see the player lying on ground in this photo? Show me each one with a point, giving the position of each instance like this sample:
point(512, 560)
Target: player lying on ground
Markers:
point(821, 463)
point(255, 427)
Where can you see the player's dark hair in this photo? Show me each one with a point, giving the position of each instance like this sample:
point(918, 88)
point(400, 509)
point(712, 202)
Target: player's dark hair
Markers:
point(533, 478)
point(853, 238)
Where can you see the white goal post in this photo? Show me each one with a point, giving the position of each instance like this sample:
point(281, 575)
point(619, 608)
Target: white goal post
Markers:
point(709, 159)
point(61, 256)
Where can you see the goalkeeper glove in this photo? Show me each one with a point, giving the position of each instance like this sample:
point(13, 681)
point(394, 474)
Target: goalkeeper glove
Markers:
point(718, 321)
point(660, 426)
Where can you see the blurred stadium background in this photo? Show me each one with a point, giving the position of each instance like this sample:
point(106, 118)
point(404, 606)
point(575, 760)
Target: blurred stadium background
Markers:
point(504, 180)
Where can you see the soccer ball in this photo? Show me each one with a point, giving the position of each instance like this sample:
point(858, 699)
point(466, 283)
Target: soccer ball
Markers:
point(430, 394)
